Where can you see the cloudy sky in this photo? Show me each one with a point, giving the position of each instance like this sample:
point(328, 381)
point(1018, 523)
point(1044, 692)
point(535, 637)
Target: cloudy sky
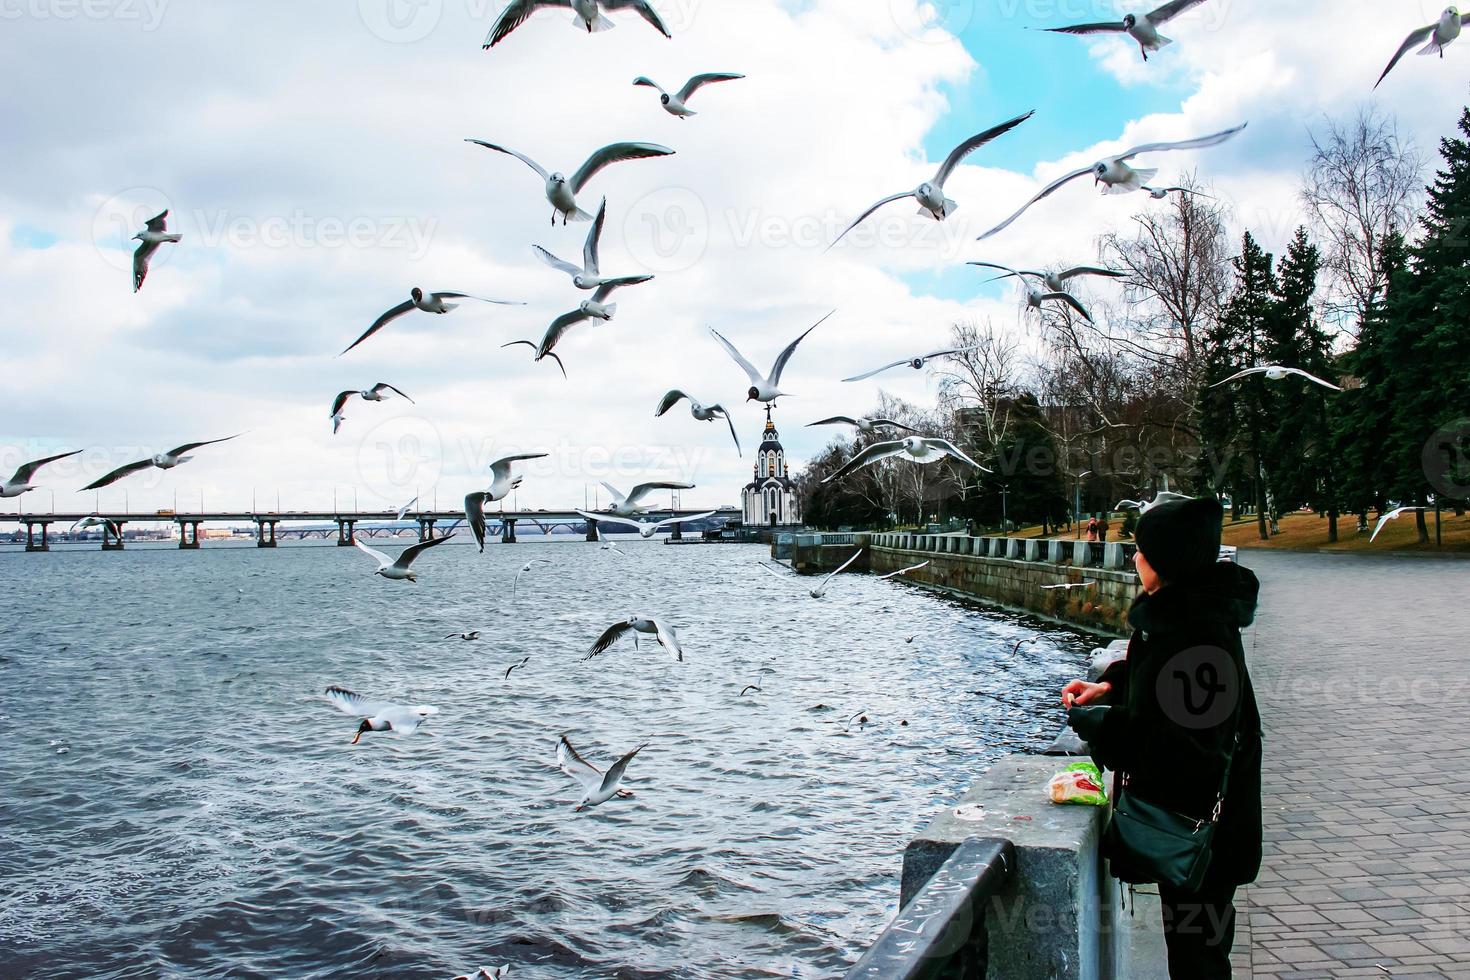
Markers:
point(313, 157)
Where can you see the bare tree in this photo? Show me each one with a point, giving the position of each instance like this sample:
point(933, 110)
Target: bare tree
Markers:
point(976, 386)
point(1363, 182)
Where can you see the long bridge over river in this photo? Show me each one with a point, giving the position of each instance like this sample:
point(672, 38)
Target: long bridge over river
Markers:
point(306, 524)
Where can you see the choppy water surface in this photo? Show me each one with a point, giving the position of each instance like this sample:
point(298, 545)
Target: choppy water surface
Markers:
point(208, 817)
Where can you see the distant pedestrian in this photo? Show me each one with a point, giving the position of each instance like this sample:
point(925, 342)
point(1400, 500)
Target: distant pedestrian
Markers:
point(1177, 721)
point(1092, 529)
point(1102, 529)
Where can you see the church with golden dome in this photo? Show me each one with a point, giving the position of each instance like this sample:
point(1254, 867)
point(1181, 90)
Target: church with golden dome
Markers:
point(770, 499)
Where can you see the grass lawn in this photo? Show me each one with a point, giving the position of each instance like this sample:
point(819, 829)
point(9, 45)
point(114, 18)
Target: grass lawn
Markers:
point(1307, 532)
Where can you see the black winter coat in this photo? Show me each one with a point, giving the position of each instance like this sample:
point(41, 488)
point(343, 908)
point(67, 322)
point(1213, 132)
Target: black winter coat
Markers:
point(1177, 702)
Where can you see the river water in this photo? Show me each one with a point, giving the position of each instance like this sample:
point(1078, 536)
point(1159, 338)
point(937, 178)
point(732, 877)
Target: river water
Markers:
point(177, 799)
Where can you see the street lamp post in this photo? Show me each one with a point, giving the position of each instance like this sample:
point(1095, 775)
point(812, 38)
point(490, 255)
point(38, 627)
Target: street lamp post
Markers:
point(1005, 523)
point(1077, 509)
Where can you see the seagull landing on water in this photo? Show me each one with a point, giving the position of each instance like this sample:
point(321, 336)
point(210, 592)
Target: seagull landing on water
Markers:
point(502, 482)
point(864, 425)
point(1115, 174)
point(1275, 372)
point(1143, 28)
point(516, 582)
point(589, 276)
point(561, 191)
point(646, 625)
point(397, 570)
point(586, 15)
point(1035, 297)
point(163, 461)
point(766, 388)
point(930, 194)
point(915, 449)
point(646, 529)
point(21, 482)
point(821, 587)
point(373, 394)
point(1438, 35)
point(1392, 515)
point(678, 104)
point(379, 716)
point(153, 235)
point(428, 303)
point(597, 788)
point(917, 363)
point(700, 411)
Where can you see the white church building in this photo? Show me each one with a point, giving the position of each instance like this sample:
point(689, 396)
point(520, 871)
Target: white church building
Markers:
point(770, 499)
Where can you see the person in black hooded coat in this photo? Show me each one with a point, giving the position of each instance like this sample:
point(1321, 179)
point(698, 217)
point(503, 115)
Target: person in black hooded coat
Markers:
point(1173, 712)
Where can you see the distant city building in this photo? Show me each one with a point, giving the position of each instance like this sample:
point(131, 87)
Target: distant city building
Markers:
point(770, 499)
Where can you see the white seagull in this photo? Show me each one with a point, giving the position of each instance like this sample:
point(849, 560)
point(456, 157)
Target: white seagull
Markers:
point(97, 521)
point(152, 236)
point(468, 637)
point(631, 505)
point(398, 569)
point(916, 449)
point(1438, 34)
point(428, 303)
point(535, 346)
point(1392, 515)
point(1070, 585)
point(585, 14)
point(21, 481)
point(379, 716)
point(930, 194)
point(700, 411)
point(1275, 372)
point(163, 461)
point(678, 104)
point(821, 587)
point(765, 388)
point(917, 363)
point(1142, 28)
point(373, 394)
point(502, 482)
point(902, 571)
point(516, 583)
point(648, 626)
point(1162, 497)
point(605, 544)
point(562, 191)
point(1115, 173)
point(1055, 281)
point(596, 308)
point(405, 509)
point(1035, 297)
point(646, 528)
point(864, 425)
point(597, 788)
point(1159, 193)
point(589, 275)
point(486, 973)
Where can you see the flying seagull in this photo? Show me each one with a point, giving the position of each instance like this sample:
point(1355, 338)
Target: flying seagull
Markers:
point(21, 481)
point(373, 394)
point(596, 308)
point(678, 104)
point(589, 276)
point(152, 236)
point(164, 461)
point(427, 302)
point(766, 388)
point(398, 569)
point(1144, 29)
point(405, 509)
point(864, 425)
point(1054, 281)
point(760, 676)
point(597, 788)
point(1438, 34)
point(516, 583)
point(1116, 174)
point(379, 716)
point(1275, 372)
point(502, 482)
point(646, 528)
point(1392, 515)
point(631, 505)
point(469, 637)
point(902, 571)
point(516, 666)
point(1070, 585)
point(562, 192)
point(1162, 497)
point(701, 412)
point(1159, 193)
point(585, 14)
point(1022, 642)
point(917, 363)
point(1035, 297)
point(916, 449)
point(648, 626)
point(821, 587)
point(535, 346)
point(96, 521)
point(930, 194)
point(604, 544)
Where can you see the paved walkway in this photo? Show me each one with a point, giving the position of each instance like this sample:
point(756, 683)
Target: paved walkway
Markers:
point(1362, 670)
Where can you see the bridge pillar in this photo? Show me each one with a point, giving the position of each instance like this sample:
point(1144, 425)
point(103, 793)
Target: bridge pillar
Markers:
point(508, 531)
point(188, 535)
point(426, 528)
point(31, 543)
point(678, 534)
point(109, 543)
point(591, 530)
point(346, 533)
point(262, 539)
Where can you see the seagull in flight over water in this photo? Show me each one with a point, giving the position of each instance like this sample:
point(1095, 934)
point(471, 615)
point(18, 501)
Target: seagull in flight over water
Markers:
point(765, 388)
point(821, 587)
point(646, 625)
point(1439, 34)
point(515, 584)
point(373, 394)
point(428, 303)
point(379, 716)
point(154, 234)
point(597, 787)
point(916, 449)
point(701, 412)
point(502, 482)
point(21, 481)
point(1142, 28)
point(561, 191)
point(1115, 174)
point(678, 104)
point(930, 194)
point(398, 570)
point(163, 461)
point(585, 15)
point(632, 505)
point(645, 528)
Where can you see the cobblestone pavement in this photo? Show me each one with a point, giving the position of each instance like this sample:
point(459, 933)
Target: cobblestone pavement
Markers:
point(1362, 670)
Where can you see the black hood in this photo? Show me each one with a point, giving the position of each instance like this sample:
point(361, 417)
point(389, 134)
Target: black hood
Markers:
point(1224, 592)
